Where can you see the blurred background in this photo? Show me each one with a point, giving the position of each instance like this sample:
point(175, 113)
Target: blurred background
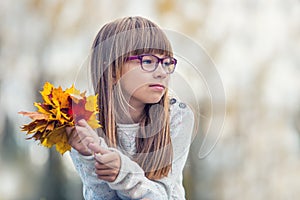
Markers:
point(255, 46)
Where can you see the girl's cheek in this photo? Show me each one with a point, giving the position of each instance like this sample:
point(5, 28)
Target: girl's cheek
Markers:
point(133, 80)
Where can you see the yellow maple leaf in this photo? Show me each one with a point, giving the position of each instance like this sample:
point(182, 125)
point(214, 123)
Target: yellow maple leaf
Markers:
point(47, 89)
point(42, 108)
point(72, 91)
point(91, 103)
point(58, 135)
point(60, 97)
point(92, 121)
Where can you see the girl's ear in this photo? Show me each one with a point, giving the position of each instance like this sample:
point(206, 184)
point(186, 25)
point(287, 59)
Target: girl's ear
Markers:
point(114, 80)
point(114, 77)
point(113, 73)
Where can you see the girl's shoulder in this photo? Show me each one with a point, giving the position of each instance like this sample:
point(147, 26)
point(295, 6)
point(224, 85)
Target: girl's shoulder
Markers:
point(180, 111)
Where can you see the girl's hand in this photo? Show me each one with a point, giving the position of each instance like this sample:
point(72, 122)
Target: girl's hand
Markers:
point(86, 141)
point(108, 163)
point(81, 136)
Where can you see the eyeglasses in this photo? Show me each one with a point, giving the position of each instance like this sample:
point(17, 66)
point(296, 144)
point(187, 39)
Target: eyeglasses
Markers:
point(150, 62)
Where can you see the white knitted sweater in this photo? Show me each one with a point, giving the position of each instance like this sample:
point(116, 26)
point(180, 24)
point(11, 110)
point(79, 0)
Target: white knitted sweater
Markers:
point(131, 182)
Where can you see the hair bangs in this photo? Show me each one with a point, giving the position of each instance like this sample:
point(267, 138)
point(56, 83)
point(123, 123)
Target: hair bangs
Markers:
point(150, 40)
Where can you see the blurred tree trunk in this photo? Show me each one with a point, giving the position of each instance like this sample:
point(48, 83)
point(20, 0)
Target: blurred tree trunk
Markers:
point(54, 181)
point(8, 145)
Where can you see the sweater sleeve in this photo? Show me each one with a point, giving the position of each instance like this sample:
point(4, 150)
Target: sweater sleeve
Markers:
point(131, 182)
point(93, 188)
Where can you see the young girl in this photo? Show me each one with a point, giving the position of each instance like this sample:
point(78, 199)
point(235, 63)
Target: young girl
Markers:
point(142, 147)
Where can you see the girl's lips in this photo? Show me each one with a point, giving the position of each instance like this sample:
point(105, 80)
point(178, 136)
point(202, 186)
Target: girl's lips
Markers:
point(157, 87)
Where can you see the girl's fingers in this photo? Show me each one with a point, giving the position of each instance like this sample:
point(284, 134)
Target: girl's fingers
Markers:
point(106, 172)
point(110, 161)
point(69, 130)
point(107, 165)
point(82, 122)
point(102, 151)
point(72, 136)
point(106, 158)
point(99, 166)
point(107, 178)
point(110, 165)
point(76, 142)
point(95, 147)
point(87, 141)
point(82, 131)
point(86, 132)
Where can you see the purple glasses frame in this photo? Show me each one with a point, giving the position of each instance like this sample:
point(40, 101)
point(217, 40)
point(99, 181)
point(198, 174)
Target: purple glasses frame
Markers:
point(159, 60)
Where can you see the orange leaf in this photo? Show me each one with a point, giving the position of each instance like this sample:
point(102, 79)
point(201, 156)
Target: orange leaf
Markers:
point(79, 111)
point(37, 125)
point(34, 115)
point(60, 98)
point(57, 136)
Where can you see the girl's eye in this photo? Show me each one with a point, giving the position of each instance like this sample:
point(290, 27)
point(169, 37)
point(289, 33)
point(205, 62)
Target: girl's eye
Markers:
point(167, 64)
point(147, 61)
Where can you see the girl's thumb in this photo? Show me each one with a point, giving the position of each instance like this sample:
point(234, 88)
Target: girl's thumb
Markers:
point(97, 148)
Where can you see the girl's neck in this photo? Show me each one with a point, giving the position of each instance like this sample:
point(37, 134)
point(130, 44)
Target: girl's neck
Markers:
point(135, 114)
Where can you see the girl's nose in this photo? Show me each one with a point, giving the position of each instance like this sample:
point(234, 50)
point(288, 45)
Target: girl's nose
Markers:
point(160, 72)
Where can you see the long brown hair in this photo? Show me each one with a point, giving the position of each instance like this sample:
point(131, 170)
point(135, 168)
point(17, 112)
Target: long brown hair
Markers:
point(113, 44)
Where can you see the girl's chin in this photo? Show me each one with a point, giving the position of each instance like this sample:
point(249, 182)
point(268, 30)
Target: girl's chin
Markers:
point(153, 100)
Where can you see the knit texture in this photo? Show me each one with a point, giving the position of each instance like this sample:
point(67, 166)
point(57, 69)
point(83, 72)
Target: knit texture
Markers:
point(131, 182)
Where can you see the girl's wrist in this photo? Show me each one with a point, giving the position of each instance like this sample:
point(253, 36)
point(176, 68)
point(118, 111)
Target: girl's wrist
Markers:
point(86, 153)
point(87, 157)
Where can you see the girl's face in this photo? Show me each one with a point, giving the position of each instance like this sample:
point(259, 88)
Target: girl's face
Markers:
point(142, 87)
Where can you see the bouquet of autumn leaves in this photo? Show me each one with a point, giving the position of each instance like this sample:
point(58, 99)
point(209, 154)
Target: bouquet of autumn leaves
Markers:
point(59, 109)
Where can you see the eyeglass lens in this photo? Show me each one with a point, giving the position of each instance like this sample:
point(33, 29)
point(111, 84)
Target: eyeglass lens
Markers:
point(150, 63)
